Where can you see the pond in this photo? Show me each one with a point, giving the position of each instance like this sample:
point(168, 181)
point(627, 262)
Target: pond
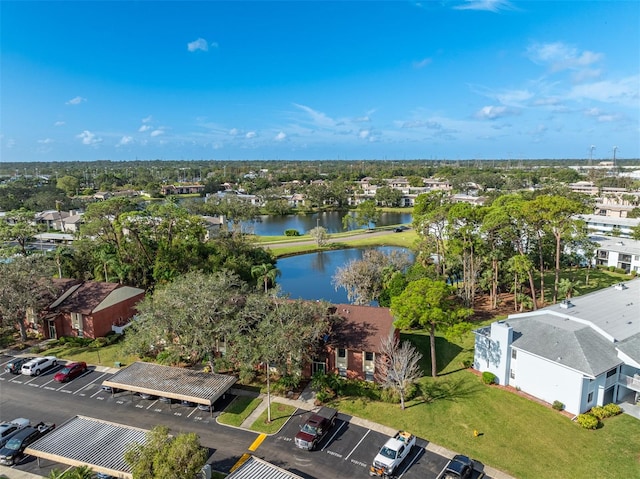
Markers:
point(309, 276)
point(332, 221)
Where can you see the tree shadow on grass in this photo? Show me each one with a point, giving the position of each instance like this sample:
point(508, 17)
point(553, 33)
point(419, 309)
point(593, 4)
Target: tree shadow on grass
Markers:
point(447, 390)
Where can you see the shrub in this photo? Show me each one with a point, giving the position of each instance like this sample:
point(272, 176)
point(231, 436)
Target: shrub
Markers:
point(588, 421)
point(291, 232)
point(169, 357)
point(612, 409)
point(558, 405)
point(488, 377)
point(390, 395)
point(323, 396)
point(599, 412)
point(99, 342)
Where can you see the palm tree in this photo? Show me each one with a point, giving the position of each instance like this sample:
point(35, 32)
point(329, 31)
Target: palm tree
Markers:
point(265, 273)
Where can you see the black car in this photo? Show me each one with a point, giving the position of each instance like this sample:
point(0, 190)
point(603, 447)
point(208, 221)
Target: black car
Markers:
point(15, 365)
point(460, 467)
point(13, 450)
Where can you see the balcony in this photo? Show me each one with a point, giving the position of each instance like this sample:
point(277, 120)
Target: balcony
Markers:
point(632, 383)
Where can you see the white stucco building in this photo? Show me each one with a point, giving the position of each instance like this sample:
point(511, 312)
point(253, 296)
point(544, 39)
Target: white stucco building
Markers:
point(584, 352)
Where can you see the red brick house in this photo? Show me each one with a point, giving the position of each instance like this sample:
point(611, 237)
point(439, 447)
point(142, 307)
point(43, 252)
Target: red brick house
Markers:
point(355, 341)
point(90, 309)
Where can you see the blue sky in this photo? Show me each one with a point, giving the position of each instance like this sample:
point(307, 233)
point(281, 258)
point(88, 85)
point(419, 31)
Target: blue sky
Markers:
point(319, 80)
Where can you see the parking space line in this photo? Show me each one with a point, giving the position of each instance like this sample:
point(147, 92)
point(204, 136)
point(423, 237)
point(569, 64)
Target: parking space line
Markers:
point(96, 393)
point(334, 435)
point(256, 444)
point(194, 410)
point(356, 447)
point(151, 405)
point(415, 458)
point(87, 385)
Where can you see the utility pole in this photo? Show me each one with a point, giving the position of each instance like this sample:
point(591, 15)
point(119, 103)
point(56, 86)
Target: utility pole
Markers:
point(591, 154)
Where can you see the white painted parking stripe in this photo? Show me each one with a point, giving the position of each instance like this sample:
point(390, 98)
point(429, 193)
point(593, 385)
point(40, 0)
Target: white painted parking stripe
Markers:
point(194, 410)
point(415, 458)
point(151, 405)
point(87, 385)
point(352, 450)
point(334, 435)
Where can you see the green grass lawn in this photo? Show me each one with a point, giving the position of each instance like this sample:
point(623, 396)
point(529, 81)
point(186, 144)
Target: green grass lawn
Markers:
point(280, 414)
point(238, 410)
point(103, 356)
point(518, 436)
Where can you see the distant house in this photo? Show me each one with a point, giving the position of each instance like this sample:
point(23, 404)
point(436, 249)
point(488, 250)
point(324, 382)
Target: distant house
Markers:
point(51, 218)
point(90, 309)
point(583, 352)
point(181, 189)
point(355, 342)
point(620, 253)
point(606, 225)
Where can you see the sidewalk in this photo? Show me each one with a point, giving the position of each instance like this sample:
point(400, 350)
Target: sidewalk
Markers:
point(306, 402)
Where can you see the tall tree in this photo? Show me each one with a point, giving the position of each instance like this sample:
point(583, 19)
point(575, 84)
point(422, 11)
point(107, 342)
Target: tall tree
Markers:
point(164, 456)
point(397, 366)
point(366, 213)
point(18, 226)
point(559, 214)
point(26, 287)
point(428, 304)
point(364, 279)
point(265, 273)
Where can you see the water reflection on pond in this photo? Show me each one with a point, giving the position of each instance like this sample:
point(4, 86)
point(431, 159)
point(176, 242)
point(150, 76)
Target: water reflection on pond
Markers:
point(309, 276)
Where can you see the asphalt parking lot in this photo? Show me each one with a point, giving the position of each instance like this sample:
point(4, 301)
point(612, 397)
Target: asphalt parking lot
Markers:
point(345, 452)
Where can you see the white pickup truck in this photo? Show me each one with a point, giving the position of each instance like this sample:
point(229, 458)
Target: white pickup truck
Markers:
point(391, 455)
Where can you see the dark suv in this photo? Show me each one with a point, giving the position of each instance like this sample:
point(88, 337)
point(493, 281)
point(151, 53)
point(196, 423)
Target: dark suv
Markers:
point(13, 450)
point(15, 365)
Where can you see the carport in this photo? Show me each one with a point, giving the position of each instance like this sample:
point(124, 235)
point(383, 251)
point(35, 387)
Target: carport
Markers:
point(171, 382)
point(85, 441)
point(256, 468)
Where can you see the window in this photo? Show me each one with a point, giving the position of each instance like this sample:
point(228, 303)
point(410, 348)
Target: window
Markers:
point(342, 353)
point(368, 356)
point(590, 397)
point(512, 374)
point(612, 372)
point(514, 354)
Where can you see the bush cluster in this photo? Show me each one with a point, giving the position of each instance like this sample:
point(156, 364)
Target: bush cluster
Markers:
point(291, 232)
point(588, 421)
point(488, 377)
point(558, 405)
point(608, 410)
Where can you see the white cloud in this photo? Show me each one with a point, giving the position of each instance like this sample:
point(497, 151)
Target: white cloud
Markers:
point(234, 132)
point(487, 5)
point(199, 44)
point(89, 138)
point(76, 101)
point(157, 132)
point(560, 56)
point(364, 134)
point(59, 123)
point(422, 63)
point(148, 119)
point(492, 112)
point(280, 136)
point(46, 141)
point(125, 140)
point(318, 117)
point(250, 134)
point(624, 92)
point(144, 128)
point(514, 97)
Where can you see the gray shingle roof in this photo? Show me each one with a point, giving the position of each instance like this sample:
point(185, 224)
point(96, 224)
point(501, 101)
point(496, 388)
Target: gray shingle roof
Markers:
point(88, 441)
point(631, 347)
point(565, 341)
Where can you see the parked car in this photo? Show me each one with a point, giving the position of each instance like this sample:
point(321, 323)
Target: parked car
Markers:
point(187, 403)
point(37, 365)
point(147, 396)
point(111, 390)
point(8, 429)
point(13, 451)
point(460, 467)
point(165, 400)
point(15, 365)
point(70, 371)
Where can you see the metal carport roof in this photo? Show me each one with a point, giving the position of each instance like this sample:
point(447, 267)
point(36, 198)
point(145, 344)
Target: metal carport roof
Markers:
point(256, 468)
point(98, 444)
point(172, 382)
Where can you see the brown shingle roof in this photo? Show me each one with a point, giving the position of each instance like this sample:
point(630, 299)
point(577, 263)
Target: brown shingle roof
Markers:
point(86, 297)
point(362, 328)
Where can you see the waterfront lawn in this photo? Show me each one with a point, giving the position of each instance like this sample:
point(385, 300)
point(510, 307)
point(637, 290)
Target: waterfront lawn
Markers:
point(103, 356)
